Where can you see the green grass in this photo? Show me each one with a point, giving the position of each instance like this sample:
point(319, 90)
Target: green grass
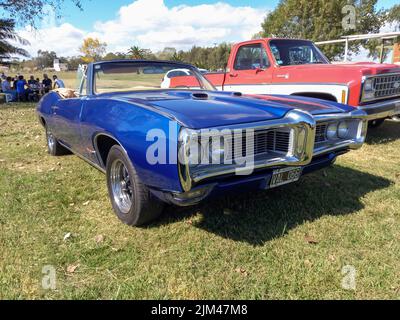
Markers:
point(259, 248)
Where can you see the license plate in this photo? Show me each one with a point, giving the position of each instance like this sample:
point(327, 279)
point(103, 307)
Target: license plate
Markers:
point(284, 176)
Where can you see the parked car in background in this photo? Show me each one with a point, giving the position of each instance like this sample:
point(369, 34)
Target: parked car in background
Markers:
point(122, 121)
point(299, 68)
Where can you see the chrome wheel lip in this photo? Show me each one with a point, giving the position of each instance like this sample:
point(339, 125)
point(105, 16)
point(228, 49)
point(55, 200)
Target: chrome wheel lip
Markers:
point(121, 186)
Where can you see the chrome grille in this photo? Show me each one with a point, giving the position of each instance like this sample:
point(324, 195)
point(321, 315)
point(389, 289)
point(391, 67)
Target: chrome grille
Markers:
point(265, 141)
point(320, 133)
point(387, 86)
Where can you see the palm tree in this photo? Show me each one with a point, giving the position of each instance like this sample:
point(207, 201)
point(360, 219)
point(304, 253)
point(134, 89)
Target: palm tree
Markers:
point(136, 52)
point(7, 33)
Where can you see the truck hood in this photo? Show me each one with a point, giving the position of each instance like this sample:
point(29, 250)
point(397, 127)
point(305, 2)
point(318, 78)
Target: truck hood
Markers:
point(201, 109)
point(335, 73)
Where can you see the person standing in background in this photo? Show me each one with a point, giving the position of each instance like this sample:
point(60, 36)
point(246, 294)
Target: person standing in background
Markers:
point(21, 88)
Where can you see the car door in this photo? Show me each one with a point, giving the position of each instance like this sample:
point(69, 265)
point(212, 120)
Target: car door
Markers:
point(66, 113)
point(251, 72)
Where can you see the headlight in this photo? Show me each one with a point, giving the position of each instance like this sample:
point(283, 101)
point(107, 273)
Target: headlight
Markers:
point(301, 141)
point(332, 131)
point(343, 130)
point(368, 90)
point(369, 85)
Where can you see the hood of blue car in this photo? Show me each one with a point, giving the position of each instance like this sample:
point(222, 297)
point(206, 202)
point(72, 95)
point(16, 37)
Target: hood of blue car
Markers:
point(197, 109)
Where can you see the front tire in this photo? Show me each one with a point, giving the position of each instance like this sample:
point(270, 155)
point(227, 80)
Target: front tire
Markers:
point(132, 201)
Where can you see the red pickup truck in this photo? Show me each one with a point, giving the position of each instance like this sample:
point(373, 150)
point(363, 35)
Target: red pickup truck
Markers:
point(298, 67)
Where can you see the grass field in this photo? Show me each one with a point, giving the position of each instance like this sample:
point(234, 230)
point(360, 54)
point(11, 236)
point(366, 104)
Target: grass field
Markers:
point(288, 243)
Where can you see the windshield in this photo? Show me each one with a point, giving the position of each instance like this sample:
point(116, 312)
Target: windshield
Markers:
point(296, 52)
point(140, 76)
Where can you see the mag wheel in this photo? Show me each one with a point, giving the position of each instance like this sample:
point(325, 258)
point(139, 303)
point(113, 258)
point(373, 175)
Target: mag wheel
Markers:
point(53, 146)
point(132, 201)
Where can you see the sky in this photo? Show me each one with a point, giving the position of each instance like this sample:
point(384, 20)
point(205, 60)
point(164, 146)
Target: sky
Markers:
point(151, 24)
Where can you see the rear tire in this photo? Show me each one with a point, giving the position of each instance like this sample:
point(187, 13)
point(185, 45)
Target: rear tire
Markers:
point(53, 146)
point(132, 201)
point(376, 123)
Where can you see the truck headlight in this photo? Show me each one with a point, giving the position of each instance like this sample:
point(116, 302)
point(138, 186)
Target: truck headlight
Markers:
point(332, 131)
point(343, 130)
point(369, 85)
point(368, 90)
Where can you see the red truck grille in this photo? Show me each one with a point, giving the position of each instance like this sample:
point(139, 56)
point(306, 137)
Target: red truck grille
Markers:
point(387, 86)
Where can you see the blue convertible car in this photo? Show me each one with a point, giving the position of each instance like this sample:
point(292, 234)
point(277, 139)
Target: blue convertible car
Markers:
point(182, 144)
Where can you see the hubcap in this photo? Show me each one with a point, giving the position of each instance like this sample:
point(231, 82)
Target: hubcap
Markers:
point(121, 186)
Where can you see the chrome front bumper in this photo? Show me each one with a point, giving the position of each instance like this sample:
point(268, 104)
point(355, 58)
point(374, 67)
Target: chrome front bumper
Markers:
point(382, 109)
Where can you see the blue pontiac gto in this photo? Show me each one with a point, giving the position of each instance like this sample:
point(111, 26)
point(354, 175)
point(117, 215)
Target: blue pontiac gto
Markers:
point(180, 145)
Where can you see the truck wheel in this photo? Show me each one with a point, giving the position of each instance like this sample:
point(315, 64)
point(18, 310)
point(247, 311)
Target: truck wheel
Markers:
point(53, 146)
point(132, 201)
point(396, 118)
point(376, 123)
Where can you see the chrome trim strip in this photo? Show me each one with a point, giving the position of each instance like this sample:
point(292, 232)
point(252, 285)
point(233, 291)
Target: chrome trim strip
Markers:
point(84, 158)
point(394, 106)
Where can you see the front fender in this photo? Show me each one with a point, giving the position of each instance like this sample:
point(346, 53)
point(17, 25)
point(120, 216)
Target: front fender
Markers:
point(136, 129)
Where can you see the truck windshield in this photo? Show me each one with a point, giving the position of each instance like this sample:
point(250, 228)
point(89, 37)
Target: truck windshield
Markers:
point(116, 76)
point(296, 52)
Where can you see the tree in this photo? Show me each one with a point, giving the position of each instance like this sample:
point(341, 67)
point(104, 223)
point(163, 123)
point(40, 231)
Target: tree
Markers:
point(7, 34)
point(320, 20)
point(394, 15)
point(135, 52)
point(74, 62)
point(29, 11)
point(115, 56)
point(45, 59)
point(167, 53)
point(178, 56)
point(92, 50)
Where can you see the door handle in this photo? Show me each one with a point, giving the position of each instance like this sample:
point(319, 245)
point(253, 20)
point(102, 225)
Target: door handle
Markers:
point(285, 76)
point(54, 108)
point(233, 75)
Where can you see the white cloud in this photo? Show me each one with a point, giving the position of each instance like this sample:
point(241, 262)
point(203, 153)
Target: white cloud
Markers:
point(151, 24)
point(64, 39)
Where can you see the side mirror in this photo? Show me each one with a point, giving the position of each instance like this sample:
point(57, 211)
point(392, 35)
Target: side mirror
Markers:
point(258, 70)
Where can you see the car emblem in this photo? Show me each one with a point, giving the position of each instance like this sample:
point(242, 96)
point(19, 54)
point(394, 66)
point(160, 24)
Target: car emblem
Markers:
point(396, 85)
